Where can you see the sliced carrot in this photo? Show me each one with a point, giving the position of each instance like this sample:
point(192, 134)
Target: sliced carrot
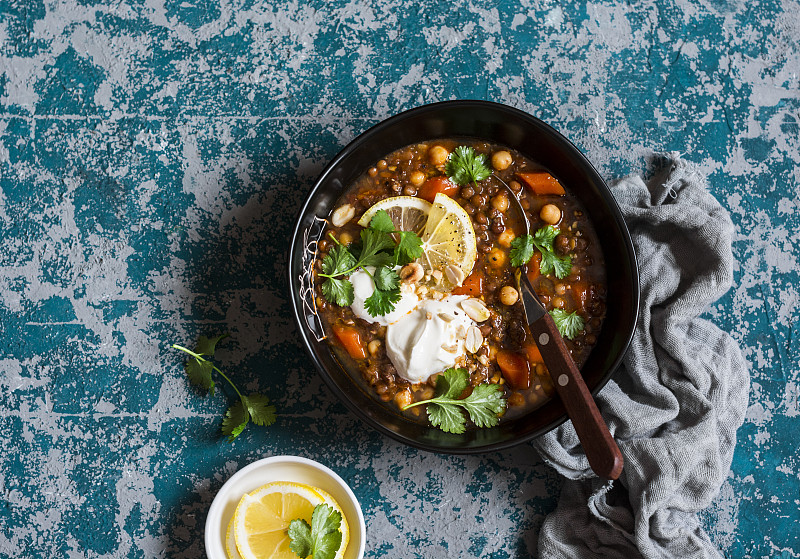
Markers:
point(472, 286)
point(436, 185)
point(515, 369)
point(542, 183)
point(533, 354)
point(534, 266)
point(351, 340)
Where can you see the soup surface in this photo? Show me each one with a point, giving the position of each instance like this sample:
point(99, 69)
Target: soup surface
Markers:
point(456, 304)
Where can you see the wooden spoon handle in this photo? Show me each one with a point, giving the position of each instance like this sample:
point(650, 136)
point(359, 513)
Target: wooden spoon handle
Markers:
point(601, 450)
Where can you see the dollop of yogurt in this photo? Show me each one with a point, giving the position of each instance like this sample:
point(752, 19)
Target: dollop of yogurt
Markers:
point(428, 340)
point(363, 287)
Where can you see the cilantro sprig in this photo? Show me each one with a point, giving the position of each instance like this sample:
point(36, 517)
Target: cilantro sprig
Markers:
point(322, 539)
point(464, 166)
point(569, 324)
point(253, 407)
point(444, 411)
point(377, 249)
point(522, 250)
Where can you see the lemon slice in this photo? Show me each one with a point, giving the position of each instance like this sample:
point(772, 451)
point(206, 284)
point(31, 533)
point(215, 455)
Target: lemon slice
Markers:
point(343, 527)
point(448, 239)
point(230, 543)
point(407, 213)
point(262, 518)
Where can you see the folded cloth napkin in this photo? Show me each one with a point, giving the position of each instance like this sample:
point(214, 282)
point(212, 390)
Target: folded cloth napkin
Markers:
point(675, 406)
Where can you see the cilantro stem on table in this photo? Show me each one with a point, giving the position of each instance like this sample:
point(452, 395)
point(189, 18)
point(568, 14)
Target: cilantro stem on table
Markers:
point(253, 407)
point(322, 539)
point(522, 250)
point(444, 411)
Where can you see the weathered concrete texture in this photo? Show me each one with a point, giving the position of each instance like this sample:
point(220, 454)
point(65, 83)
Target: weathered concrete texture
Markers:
point(153, 155)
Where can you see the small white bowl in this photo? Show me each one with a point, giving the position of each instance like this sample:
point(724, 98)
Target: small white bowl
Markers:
point(282, 468)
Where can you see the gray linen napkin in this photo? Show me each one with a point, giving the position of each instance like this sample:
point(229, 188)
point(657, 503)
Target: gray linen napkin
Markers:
point(675, 406)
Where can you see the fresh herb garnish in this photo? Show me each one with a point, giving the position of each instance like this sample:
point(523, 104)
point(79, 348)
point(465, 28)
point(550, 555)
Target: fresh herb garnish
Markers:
point(482, 405)
point(464, 166)
point(522, 251)
point(568, 324)
point(377, 249)
point(322, 539)
point(253, 407)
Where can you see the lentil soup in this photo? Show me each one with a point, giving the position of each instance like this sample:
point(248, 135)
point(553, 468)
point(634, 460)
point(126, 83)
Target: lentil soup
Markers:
point(495, 344)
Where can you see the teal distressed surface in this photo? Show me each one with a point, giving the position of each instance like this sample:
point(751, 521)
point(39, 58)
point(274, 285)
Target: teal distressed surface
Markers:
point(153, 155)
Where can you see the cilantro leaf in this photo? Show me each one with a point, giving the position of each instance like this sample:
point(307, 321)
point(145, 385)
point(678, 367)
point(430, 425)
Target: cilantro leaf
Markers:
point(465, 166)
point(560, 265)
point(521, 250)
point(325, 534)
point(385, 278)
point(568, 324)
point(545, 236)
point(300, 537)
point(207, 346)
point(382, 222)
point(322, 539)
point(373, 242)
point(382, 302)
point(448, 418)
point(482, 405)
point(452, 383)
point(236, 419)
point(338, 261)
point(377, 260)
point(199, 373)
point(338, 291)
point(551, 262)
point(260, 410)
point(408, 248)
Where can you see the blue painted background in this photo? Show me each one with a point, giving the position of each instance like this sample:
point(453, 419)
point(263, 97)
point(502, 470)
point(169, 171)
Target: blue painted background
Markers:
point(153, 155)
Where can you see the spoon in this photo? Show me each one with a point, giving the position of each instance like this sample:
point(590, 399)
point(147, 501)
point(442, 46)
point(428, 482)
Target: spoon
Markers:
point(601, 450)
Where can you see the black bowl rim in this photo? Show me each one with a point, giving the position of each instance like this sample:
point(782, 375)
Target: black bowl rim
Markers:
point(356, 143)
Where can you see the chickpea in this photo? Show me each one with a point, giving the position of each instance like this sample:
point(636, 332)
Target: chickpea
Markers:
point(515, 186)
point(403, 398)
point(558, 302)
point(497, 258)
point(438, 155)
point(382, 164)
point(372, 172)
point(550, 214)
point(417, 178)
point(516, 399)
point(509, 295)
point(501, 160)
point(374, 346)
point(345, 238)
point(561, 289)
point(505, 238)
point(500, 202)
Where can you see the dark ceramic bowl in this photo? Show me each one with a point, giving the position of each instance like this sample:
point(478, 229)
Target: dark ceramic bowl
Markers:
point(502, 125)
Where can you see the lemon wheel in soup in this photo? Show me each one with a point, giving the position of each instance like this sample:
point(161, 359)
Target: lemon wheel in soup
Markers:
point(448, 241)
point(407, 213)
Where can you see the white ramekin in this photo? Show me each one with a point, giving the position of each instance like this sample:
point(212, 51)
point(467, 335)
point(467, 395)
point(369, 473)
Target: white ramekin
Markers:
point(282, 468)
